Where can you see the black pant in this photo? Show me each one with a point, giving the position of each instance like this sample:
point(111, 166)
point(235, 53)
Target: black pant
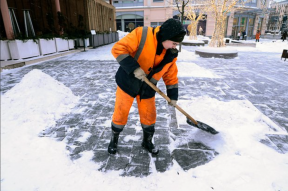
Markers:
point(257, 40)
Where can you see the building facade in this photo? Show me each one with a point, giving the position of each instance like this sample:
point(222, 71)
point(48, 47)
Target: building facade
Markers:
point(278, 17)
point(131, 14)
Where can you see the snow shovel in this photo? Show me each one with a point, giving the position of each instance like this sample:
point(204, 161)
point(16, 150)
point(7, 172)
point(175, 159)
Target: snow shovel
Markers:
point(190, 120)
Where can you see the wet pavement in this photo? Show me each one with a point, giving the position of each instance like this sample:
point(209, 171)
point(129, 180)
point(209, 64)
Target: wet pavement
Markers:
point(263, 84)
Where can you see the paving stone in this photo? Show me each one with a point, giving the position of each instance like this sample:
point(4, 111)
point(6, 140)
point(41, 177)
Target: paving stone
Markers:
point(270, 144)
point(141, 158)
point(137, 171)
point(198, 145)
point(188, 159)
point(161, 137)
point(124, 150)
point(281, 141)
point(163, 160)
point(116, 163)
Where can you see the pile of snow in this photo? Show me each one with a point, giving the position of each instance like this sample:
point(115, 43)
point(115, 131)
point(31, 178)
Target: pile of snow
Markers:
point(38, 98)
point(122, 34)
point(243, 162)
point(28, 108)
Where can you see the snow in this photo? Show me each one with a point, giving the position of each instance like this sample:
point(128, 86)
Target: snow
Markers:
point(188, 69)
point(199, 40)
point(217, 50)
point(29, 162)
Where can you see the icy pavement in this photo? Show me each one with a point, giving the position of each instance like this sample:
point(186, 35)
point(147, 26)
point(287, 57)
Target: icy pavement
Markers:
point(87, 127)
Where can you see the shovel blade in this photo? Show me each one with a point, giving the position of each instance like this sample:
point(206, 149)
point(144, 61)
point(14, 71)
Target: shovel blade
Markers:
point(202, 126)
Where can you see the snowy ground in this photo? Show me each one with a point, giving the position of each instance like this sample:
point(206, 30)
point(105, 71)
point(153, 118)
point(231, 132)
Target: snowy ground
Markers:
point(37, 101)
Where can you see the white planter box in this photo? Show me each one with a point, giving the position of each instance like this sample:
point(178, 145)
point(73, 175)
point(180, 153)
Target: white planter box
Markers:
point(47, 46)
point(71, 44)
point(5, 54)
point(61, 44)
point(80, 40)
point(20, 49)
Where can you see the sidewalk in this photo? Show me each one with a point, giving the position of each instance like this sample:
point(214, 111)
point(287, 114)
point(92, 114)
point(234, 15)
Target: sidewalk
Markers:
point(94, 82)
point(10, 64)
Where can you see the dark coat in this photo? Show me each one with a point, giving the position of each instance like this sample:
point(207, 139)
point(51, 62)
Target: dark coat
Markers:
point(284, 35)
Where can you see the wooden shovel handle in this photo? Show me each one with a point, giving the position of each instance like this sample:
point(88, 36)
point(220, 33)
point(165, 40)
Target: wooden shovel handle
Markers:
point(168, 99)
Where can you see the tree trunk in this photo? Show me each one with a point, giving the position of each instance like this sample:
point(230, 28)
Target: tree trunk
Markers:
point(193, 30)
point(218, 35)
point(182, 21)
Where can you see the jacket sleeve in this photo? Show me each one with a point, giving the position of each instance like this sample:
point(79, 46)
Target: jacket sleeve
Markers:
point(171, 81)
point(126, 47)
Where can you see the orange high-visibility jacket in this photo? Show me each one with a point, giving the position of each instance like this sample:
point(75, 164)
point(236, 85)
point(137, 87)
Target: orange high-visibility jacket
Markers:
point(257, 35)
point(138, 49)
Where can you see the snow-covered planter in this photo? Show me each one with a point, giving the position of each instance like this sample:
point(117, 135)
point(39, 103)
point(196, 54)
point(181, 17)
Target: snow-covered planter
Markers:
point(71, 44)
point(20, 49)
point(219, 52)
point(47, 46)
point(110, 38)
point(61, 44)
point(94, 41)
point(100, 38)
point(86, 42)
point(106, 38)
point(113, 36)
point(5, 54)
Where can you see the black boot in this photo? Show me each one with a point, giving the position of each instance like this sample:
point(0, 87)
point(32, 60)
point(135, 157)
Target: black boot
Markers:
point(112, 148)
point(148, 133)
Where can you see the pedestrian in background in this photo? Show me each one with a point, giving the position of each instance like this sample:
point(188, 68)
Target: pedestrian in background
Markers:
point(238, 35)
point(243, 35)
point(284, 35)
point(257, 37)
point(145, 52)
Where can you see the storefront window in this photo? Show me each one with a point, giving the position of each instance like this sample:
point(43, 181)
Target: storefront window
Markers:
point(243, 21)
point(235, 21)
point(235, 27)
point(251, 21)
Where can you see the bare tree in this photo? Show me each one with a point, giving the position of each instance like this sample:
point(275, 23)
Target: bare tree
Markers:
point(181, 4)
point(195, 12)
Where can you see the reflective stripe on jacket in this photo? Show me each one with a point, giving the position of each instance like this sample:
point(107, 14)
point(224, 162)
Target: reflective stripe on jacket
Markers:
point(138, 49)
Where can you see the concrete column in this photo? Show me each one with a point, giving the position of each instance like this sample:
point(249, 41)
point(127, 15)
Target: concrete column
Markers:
point(230, 24)
point(255, 25)
point(123, 24)
point(6, 19)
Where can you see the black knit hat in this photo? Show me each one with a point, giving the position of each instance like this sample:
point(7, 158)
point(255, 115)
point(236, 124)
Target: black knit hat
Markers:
point(173, 30)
